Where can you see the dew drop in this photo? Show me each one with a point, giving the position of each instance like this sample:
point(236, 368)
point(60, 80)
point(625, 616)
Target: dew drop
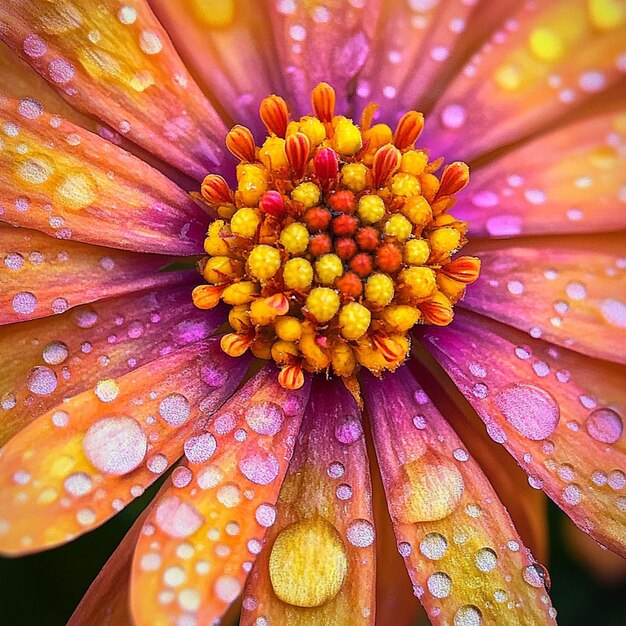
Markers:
point(174, 409)
point(107, 390)
point(349, 432)
point(485, 560)
point(177, 518)
point(468, 615)
point(604, 425)
point(42, 381)
point(261, 469)
point(200, 448)
point(55, 353)
point(265, 418)
point(439, 584)
point(78, 484)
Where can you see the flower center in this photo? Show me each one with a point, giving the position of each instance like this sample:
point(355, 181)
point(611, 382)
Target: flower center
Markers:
point(336, 242)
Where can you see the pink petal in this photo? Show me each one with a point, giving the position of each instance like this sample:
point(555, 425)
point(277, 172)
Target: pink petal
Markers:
point(202, 526)
point(60, 179)
point(567, 291)
point(327, 495)
point(464, 556)
point(560, 415)
point(577, 186)
point(85, 459)
point(128, 75)
point(106, 339)
point(42, 276)
point(543, 62)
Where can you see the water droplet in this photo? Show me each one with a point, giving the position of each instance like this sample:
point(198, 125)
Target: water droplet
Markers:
point(24, 303)
point(42, 381)
point(405, 549)
point(265, 418)
point(468, 615)
point(308, 563)
point(115, 445)
point(107, 390)
point(439, 584)
point(174, 409)
point(604, 425)
point(349, 432)
point(434, 546)
point(485, 560)
point(200, 448)
point(177, 518)
point(78, 484)
point(361, 533)
point(532, 411)
point(265, 515)
point(260, 468)
point(536, 575)
point(157, 463)
point(55, 353)
point(227, 588)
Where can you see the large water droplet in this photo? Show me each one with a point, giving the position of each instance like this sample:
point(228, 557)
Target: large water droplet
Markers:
point(174, 409)
point(260, 468)
point(308, 563)
point(115, 445)
point(605, 425)
point(532, 411)
point(177, 518)
point(265, 418)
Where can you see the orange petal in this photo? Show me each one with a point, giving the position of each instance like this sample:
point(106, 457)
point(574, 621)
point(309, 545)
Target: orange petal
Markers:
point(544, 61)
point(43, 276)
point(80, 462)
point(200, 541)
point(568, 181)
point(118, 64)
point(560, 414)
point(566, 291)
point(464, 556)
point(329, 43)
point(227, 44)
point(317, 565)
point(60, 179)
point(74, 350)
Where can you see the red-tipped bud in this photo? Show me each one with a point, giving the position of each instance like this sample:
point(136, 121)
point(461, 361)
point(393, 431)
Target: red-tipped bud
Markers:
point(275, 115)
point(343, 201)
point(297, 147)
point(465, 269)
point(349, 285)
point(216, 190)
point(241, 144)
point(386, 164)
point(316, 218)
point(326, 165)
point(437, 311)
point(235, 344)
point(320, 244)
point(279, 303)
point(345, 248)
point(272, 203)
point(344, 225)
point(455, 177)
point(367, 238)
point(389, 347)
point(408, 129)
point(207, 296)
point(323, 100)
point(388, 258)
point(361, 265)
point(291, 377)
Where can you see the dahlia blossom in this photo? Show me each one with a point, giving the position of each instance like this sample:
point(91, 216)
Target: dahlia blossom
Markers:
point(277, 319)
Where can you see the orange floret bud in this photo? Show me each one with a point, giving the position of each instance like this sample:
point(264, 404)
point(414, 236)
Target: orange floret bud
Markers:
point(344, 225)
point(207, 296)
point(343, 202)
point(235, 344)
point(437, 311)
point(241, 144)
point(323, 100)
point(320, 244)
point(317, 218)
point(388, 258)
point(367, 239)
point(275, 115)
point(455, 177)
point(349, 285)
point(216, 190)
point(345, 248)
point(386, 164)
point(291, 377)
point(362, 265)
point(297, 147)
point(465, 269)
point(408, 129)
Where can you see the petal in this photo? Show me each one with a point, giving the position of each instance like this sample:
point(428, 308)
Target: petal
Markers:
point(67, 182)
point(79, 463)
point(195, 547)
point(576, 186)
point(463, 554)
point(229, 48)
point(318, 563)
point(422, 43)
point(328, 43)
point(557, 412)
point(117, 64)
point(42, 276)
point(545, 61)
point(80, 347)
point(567, 291)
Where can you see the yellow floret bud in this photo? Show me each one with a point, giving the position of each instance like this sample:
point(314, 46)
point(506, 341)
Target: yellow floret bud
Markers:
point(239, 318)
point(371, 209)
point(220, 269)
point(316, 357)
point(354, 176)
point(252, 183)
point(262, 348)
point(226, 211)
point(272, 153)
point(328, 268)
point(297, 274)
point(214, 244)
point(245, 222)
point(417, 209)
point(295, 238)
point(240, 293)
point(444, 240)
point(288, 328)
point(284, 351)
point(264, 261)
point(309, 126)
point(420, 282)
point(413, 162)
point(405, 185)
point(450, 287)
point(401, 317)
point(379, 289)
point(343, 359)
point(264, 311)
point(376, 136)
point(416, 252)
point(322, 303)
point(354, 320)
point(347, 140)
point(399, 227)
point(307, 193)
point(430, 186)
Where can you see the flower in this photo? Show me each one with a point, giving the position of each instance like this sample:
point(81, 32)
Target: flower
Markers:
point(271, 497)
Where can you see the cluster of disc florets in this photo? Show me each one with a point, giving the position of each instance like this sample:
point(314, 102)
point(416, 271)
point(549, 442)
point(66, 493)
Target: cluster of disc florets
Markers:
point(336, 242)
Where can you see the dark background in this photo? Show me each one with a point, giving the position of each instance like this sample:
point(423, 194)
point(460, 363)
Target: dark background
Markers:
point(44, 589)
